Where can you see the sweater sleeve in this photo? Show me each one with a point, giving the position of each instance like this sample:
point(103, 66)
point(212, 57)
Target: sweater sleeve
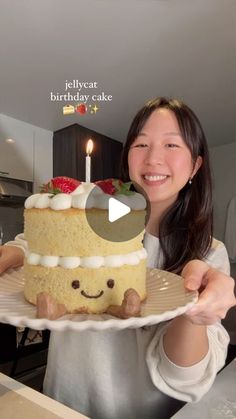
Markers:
point(19, 242)
point(188, 384)
point(218, 258)
point(191, 383)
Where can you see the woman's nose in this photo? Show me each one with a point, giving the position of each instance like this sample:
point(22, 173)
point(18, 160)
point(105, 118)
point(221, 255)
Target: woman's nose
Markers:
point(155, 155)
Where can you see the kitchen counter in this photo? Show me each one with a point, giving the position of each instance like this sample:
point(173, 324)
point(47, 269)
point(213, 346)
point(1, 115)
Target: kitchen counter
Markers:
point(219, 402)
point(21, 402)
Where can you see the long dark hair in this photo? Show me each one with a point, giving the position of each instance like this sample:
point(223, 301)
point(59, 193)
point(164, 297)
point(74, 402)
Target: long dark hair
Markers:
point(186, 229)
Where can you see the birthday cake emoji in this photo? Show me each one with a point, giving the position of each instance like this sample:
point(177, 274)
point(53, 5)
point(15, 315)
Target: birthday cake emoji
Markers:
point(68, 109)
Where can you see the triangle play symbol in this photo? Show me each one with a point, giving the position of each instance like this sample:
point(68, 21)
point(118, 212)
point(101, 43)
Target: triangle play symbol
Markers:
point(116, 210)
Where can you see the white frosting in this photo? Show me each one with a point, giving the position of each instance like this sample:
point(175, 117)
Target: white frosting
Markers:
point(33, 259)
point(49, 261)
point(78, 199)
point(60, 201)
point(92, 262)
point(68, 262)
point(42, 200)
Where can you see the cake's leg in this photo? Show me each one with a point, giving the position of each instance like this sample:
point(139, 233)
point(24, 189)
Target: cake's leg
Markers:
point(130, 307)
point(48, 308)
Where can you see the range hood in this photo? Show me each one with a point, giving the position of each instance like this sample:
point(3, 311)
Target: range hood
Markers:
point(14, 190)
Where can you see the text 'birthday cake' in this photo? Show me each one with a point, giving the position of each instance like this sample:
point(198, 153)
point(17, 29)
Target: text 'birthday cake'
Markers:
point(68, 261)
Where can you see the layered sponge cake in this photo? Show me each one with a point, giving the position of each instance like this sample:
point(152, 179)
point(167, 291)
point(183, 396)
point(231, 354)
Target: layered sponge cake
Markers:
point(66, 257)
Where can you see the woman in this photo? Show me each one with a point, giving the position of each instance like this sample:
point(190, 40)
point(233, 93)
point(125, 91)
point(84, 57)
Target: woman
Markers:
point(181, 201)
point(134, 373)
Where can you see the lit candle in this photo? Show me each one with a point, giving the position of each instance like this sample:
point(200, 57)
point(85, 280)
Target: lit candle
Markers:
point(89, 150)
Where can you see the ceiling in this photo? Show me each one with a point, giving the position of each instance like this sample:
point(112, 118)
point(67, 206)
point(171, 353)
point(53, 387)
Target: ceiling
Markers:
point(132, 50)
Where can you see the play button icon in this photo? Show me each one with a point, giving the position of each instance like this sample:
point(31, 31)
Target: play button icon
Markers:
point(116, 210)
point(116, 218)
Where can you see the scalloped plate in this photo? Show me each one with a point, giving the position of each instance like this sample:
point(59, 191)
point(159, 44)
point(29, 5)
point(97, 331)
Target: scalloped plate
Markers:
point(167, 298)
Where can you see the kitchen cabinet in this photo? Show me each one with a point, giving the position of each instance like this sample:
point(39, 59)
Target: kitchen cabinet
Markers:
point(16, 156)
point(69, 152)
point(29, 156)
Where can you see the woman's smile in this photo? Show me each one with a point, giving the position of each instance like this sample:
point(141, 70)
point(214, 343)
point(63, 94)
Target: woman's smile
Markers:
point(151, 179)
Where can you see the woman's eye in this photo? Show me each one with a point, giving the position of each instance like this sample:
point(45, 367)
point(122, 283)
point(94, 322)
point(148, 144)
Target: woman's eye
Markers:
point(172, 145)
point(140, 145)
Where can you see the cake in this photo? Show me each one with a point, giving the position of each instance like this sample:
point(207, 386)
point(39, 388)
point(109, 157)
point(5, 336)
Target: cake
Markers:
point(68, 260)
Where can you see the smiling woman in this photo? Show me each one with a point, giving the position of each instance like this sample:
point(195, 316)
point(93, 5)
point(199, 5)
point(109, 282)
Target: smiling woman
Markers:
point(166, 155)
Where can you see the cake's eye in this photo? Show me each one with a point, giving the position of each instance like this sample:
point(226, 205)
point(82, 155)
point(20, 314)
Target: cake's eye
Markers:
point(75, 284)
point(110, 283)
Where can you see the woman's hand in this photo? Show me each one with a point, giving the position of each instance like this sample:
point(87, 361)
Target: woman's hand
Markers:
point(10, 257)
point(216, 292)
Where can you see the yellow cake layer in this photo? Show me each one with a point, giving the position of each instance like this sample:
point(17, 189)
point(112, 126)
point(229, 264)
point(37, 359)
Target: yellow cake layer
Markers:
point(58, 283)
point(67, 232)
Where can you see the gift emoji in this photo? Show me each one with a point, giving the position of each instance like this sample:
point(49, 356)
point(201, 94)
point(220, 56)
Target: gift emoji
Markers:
point(68, 110)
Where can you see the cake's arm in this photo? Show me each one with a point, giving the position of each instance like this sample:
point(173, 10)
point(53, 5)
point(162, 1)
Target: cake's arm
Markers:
point(48, 308)
point(130, 307)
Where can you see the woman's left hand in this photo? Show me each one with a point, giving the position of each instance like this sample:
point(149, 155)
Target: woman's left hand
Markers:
point(216, 292)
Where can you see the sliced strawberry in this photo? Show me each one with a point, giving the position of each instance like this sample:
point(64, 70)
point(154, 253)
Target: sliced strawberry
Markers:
point(115, 186)
point(60, 184)
point(106, 186)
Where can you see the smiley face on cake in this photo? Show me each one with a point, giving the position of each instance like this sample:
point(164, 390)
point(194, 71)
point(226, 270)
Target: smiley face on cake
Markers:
point(68, 265)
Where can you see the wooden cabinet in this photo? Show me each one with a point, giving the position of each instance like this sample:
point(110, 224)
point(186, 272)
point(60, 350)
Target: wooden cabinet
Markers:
point(69, 152)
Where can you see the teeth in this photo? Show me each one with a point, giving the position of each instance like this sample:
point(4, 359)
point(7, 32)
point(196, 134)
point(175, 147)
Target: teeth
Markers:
point(156, 177)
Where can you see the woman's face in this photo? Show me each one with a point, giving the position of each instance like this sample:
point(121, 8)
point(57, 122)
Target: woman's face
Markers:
point(159, 160)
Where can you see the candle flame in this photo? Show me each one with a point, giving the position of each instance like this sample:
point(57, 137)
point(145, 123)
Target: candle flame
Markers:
point(89, 147)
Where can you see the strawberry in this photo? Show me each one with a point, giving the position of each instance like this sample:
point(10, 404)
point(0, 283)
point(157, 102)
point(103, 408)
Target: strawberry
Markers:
point(82, 109)
point(60, 184)
point(114, 186)
point(107, 186)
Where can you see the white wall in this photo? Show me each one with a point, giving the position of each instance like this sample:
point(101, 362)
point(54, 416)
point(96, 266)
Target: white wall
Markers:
point(223, 162)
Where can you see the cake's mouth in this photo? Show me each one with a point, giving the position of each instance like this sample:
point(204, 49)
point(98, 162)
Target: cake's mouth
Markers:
point(92, 296)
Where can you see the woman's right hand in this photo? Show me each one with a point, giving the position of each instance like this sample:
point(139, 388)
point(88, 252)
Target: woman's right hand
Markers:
point(10, 257)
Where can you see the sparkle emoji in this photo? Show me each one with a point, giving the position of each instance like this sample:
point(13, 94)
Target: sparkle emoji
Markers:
point(68, 110)
point(94, 109)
